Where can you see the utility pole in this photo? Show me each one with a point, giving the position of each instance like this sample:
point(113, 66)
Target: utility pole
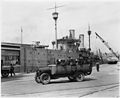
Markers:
point(22, 61)
point(21, 36)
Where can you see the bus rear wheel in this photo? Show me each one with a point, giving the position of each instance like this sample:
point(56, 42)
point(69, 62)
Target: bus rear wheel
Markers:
point(79, 77)
point(71, 78)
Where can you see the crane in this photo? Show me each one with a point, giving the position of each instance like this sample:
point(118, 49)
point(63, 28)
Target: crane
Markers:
point(106, 44)
point(100, 55)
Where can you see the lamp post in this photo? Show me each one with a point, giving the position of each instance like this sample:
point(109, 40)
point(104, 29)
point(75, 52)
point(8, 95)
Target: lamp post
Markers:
point(89, 33)
point(55, 17)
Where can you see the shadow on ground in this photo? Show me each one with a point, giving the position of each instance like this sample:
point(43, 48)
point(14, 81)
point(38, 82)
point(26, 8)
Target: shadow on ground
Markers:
point(68, 81)
point(16, 77)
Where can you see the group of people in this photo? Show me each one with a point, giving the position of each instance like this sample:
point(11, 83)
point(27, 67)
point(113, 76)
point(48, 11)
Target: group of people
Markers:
point(80, 61)
point(69, 61)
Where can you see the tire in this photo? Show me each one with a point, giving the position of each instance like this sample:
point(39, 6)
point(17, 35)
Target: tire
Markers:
point(71, 78)
point(5, 74)
point(45, 78)
point(79, 77)
point(37, 79)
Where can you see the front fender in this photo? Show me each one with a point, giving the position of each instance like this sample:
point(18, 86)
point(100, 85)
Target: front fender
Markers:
point(43, 70)
point(38, 72)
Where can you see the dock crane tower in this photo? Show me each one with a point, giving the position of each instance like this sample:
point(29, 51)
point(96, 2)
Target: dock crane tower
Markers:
point(106, 44)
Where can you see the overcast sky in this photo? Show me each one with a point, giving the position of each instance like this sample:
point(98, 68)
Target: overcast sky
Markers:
point(38, 24)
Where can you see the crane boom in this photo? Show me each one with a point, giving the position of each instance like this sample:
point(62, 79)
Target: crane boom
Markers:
point(106, 44)
point(100, 55)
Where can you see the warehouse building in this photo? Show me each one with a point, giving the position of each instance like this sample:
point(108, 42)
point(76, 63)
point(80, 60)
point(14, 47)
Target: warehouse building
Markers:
point(11, 53)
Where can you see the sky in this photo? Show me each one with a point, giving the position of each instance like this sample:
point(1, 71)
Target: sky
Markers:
point(37, 23)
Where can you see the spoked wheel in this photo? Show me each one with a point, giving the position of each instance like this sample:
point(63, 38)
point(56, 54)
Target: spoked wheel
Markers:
point(80, 77)
point(45, 78)
point(71, 78)
point(5, 74)
point(37, 79)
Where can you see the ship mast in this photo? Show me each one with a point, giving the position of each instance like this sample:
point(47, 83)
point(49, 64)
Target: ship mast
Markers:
point(55, 17)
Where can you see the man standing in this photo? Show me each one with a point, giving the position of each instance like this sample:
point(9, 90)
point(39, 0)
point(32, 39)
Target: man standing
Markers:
point(12, 70)
point(97, 60)
point(97, 66)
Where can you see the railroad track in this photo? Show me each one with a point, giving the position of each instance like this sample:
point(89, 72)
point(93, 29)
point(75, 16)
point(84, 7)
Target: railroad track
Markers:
point(92, 92)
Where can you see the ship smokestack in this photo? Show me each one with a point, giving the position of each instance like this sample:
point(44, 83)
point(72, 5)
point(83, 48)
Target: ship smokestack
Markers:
point(81, 38)
point(72, 34)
